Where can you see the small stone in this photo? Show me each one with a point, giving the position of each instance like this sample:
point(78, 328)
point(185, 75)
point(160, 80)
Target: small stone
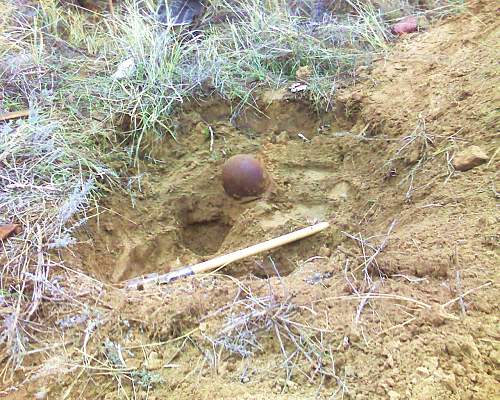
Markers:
point(108, 227)
point(393, 395)
point(405, 336)
point(469, 158)
point(324, 252)
point(431, 363)
point(449, 380)
point(340, 361)
point(413, 156)
point(303, 72)
point(282, 138)
point(432, 316)
point(390, 360)
point(453, 349)
point(349, 371)
point(459, 369)
point(390, 382)
point(317, 140)
point(495, 357)
point(469, 347)
point(291, 384)
point(423, 372)
point(354, 337)
point(152, 365)
point(42, 394)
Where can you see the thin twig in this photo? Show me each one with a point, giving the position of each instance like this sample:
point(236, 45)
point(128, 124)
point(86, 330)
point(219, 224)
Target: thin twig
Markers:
point(363, 302)
point(467, 292)
point(211, 131)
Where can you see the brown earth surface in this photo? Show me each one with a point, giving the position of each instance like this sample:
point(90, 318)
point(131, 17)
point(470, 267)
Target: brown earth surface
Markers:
point(398, 299)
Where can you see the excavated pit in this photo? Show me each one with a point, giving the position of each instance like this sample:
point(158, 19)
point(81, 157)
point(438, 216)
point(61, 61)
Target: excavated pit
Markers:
point(181, 214)
point(322, 170)
point(203, 227)
point(204, 238)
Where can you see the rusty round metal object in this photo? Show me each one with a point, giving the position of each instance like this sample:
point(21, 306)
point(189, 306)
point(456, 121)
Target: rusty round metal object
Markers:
point(244, 175)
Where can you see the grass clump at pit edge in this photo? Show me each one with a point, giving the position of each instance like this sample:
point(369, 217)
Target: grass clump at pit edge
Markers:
point(260, 47)
point(52, 171)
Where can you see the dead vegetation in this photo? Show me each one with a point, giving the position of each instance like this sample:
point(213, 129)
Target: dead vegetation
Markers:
point(305, 348)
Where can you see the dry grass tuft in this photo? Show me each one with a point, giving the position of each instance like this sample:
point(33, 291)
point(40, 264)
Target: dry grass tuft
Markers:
point(50, 175)
point(46, 186)
point(251, 319)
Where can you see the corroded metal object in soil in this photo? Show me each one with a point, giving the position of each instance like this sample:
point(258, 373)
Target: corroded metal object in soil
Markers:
point(244, 175)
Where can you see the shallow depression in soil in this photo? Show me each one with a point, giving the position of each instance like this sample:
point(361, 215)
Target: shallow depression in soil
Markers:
point(182, 215)
point(204, 238)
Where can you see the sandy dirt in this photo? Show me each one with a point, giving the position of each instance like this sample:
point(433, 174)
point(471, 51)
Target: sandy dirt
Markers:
point(399, 295)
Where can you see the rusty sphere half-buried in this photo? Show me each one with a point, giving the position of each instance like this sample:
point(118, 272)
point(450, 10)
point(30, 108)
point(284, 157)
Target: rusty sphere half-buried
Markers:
point(244, 175)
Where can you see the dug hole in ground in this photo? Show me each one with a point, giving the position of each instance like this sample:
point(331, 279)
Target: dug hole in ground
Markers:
point(397, 299)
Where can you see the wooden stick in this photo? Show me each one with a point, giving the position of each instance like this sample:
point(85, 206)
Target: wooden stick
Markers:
point(14, 115)
point(139, 283)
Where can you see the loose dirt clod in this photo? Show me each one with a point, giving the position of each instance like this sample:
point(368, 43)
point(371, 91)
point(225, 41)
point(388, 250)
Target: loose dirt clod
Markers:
point(8, 230)
point(469, 158)
point(42, 394)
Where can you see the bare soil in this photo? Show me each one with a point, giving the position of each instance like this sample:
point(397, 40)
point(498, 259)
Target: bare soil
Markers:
point(379, 169)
